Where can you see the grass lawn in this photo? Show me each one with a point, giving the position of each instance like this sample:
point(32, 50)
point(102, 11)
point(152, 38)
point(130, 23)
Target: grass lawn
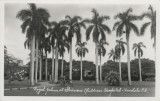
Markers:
point(137, 89)
point(16, 84)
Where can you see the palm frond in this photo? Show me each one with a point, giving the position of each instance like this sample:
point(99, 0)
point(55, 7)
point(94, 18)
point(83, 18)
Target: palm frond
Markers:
point(116, 25)
point(95, 34)
point(141, 52)
point(153, 30)
point(88, 32)
point(135, 52)
point(143, 28)
point(24, 14)
point(25, 24)
point(103, 36)
point(106, 28)
point(43, 13)
point(132, 17)
point(147, 15)
point(119, 31)
point(134, 28)
point(134, 46)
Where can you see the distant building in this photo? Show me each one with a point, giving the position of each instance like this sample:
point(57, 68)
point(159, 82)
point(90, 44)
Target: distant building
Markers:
point(88, 73)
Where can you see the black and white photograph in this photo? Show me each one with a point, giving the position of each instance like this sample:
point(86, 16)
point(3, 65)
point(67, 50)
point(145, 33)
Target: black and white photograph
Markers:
point(79, 49)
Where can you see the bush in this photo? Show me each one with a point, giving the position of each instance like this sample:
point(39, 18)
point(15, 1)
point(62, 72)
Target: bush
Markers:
point(20, 75)
point(65, 81)
point(112, 78)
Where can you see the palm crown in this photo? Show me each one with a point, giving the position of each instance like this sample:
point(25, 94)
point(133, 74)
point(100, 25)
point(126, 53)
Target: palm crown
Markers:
point(101, 48)
point(125, 23)
point(74, 25)
point(34, 20)
point(151, 14)
point(138, 49)
point(112, 54)
point(120, 49)
point(81, 49)
point(97, 26)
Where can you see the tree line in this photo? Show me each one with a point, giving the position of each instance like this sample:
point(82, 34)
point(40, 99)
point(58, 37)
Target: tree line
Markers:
point(44, 36)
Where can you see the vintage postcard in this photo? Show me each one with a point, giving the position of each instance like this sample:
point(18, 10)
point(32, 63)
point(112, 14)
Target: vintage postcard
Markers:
point(80, 50)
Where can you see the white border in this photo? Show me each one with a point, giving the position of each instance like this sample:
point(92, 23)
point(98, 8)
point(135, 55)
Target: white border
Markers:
point(42, 98)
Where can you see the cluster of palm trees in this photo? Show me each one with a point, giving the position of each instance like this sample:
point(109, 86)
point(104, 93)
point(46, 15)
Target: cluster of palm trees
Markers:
point(44, 36)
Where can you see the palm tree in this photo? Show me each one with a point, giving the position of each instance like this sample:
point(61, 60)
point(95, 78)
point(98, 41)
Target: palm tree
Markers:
point(124, 26)
point(81, 51)
point(97, 28)
point(27, 44)
point(74, 25)
point(33, 20)
point(151, 14)
point(101, 52)
point(57, 36)
point(47, 49)
point(138, 49)
point(41, 48)
point(120, 49)
point(61, 53)
point(40, 63)
point(112, 54)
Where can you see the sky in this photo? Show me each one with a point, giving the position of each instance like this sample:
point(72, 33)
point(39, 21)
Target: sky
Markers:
point(14, 38)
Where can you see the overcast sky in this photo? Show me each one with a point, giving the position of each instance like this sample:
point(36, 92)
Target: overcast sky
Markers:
point(14, 38)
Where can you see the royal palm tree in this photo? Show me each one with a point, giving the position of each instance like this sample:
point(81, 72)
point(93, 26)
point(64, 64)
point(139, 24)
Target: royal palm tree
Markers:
point(40, 63)
point(120, 49)
point(33, 20)
point(124, 26)
point(112, 54)
point(101, 52)
point(98, 29)
point(47, 49)
point(151, 14)
point(81, 51)
point(57, 36)
point(41, 48)
point(74, 25)
point(62, 49)
point(138, 50)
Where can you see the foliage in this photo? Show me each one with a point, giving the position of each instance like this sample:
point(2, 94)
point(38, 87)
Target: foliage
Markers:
point(97, 27)
point(119, 48)
point(137, 47)
point(20, 75)
point(151, 14)
point(113, 54)
point(148, 69)
point(81, 49)
point(112, 78)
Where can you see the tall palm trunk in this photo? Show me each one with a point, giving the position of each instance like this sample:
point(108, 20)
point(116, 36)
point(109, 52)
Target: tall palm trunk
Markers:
point(140, 72)
point(46, 68)
point(96, 62)
point(32, 60)
point(53, 52)
point(120, 72)
point(81, 69)
point(70, 63)
point(40, 68)
point(62, 67)
point(128, 62)
point(56, 66)
point(36, 69)
point(155, 49)
point(100, 70)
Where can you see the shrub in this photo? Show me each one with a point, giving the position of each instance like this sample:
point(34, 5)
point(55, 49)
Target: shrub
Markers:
point(112, 78)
